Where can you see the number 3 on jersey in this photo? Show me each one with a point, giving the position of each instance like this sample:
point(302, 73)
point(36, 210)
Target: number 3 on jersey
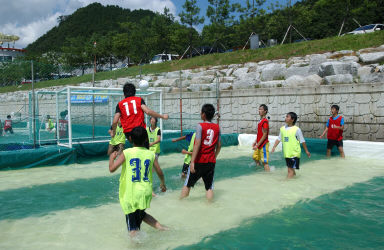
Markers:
point(133, 105)
point(209, 138)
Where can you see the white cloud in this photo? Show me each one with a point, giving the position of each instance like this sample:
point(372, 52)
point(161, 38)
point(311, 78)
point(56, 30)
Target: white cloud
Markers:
point(30, 19)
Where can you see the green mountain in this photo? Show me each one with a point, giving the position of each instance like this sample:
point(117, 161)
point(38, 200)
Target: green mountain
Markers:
point(94, 19)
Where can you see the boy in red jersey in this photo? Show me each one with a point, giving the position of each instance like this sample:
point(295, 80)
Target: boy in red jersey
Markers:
point(8, 125)
point(205, 151)
point(335, 128)
point(261, 144)
point(131, 111)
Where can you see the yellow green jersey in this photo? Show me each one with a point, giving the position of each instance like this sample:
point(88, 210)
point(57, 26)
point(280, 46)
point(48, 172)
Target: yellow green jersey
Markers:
point(50, 124)
point(291, 145)
point(152, 137)
point(187, 158)
point(119, 137)
point(135, 190)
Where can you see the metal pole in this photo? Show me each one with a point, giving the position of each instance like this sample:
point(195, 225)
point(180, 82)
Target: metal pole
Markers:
point(93, 96)
point(218, 98)
point(181, 107)
point(161, 112)
point(33, 107)
point(57, 119)
point(69, 117)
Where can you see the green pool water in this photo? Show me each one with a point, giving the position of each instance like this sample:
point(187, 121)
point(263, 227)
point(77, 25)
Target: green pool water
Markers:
point(331, 204)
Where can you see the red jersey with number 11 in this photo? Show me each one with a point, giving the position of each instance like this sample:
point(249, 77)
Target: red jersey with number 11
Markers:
point(131, 113)
point(209, 138)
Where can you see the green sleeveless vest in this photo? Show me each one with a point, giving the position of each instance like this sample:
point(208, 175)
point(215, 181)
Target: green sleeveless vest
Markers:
point(152, 136)
point(187, 158)
point(50, 124)
point(135, 190)
point(119, 137)
point(291, 146)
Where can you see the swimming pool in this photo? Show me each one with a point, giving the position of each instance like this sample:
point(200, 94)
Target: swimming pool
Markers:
point(330, 204)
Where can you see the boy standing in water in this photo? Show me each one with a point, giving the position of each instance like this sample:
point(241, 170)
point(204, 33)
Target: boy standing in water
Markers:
point(205, 151)
point(8, 125)
point(131, 111)
point(335, 128)
point(135, 190)
point(190, 138)
point(154, 138)
point(292, 137)
point(261, 144)
point(117, 142)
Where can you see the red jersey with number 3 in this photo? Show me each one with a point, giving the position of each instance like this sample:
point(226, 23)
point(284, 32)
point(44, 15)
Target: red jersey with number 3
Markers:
point(131, 113)
point(209, 138)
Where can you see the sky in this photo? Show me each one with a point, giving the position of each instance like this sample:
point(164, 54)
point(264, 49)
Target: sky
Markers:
point(30, 19)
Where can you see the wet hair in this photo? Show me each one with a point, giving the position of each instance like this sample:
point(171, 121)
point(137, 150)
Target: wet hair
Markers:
point(334, 106)
point(139, 136)
point(154, 118)
point(208, 110)
point(265, 107)
point(293, 116)
point(129, 90)
point(9, 116)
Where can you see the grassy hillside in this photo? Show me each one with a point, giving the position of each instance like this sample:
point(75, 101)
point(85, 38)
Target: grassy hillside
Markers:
point(285, 51)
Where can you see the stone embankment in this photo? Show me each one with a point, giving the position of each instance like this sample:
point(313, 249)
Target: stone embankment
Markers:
point(307, 85)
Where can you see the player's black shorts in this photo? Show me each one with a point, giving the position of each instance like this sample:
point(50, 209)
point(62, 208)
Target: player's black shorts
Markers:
point(203, 170)
point(293, 162)
point(134, 219)
point(185, 168)
point(10, 130)
point(332, 143)
point(118, 147)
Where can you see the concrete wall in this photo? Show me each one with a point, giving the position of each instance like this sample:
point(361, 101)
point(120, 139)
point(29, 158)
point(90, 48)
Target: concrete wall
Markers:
point(362, 105)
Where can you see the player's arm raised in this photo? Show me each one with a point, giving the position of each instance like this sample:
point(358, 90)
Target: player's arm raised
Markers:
point(152, 113)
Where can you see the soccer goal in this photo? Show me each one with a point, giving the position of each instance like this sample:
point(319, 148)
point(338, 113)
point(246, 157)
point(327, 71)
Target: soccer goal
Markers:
point(83, 115)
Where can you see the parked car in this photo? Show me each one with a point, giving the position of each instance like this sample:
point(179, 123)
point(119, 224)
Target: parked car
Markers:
point(159, 58)
point(366, 29)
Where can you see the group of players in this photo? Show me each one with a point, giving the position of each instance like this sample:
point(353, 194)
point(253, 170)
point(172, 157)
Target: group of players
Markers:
point(135, 189)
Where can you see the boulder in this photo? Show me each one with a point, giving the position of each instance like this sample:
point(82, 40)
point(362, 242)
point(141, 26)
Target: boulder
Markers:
point(222, 86)
point(297, 70)
point(202, 80)
point(229, 72)
point(295, 81)
point(273, 71)
point(170, 82)
point(349, 59)
point(374, 57)
point(338, 79)
point(240, 72)
point(313, 80)
point(199, 87)
point(244, 84)
point(338, 68)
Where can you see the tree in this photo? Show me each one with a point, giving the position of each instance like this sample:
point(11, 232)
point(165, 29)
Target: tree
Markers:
point(191, 17)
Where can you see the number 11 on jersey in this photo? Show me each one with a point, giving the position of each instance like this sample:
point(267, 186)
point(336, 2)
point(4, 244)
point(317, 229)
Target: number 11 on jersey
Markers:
point(133, 105)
